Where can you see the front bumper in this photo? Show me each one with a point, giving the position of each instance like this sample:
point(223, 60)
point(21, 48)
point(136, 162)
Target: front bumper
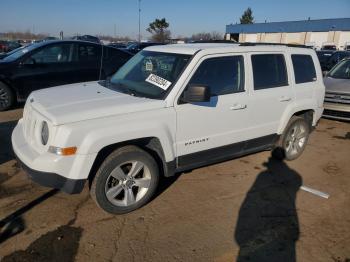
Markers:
point(67, 173)
point(336, 111)
point(70, 186)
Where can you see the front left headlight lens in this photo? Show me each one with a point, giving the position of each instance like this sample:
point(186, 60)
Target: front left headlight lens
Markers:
point(44, 133)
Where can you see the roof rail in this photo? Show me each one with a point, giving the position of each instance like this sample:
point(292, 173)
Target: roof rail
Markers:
point(212, 41)
point(273, 44)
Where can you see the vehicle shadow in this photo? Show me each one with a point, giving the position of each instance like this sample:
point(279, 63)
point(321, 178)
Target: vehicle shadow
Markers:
point(6, 153)
point(13, 224)
point(267, 227)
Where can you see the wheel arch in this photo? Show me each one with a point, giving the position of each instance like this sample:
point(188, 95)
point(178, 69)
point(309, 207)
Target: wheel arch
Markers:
point(151, 145)
point(307, 113)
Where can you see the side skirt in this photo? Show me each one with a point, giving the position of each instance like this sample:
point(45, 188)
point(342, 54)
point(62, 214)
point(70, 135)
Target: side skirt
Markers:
point(220, 154)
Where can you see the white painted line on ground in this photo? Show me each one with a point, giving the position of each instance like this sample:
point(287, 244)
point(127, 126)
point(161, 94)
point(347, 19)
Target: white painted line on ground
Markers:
point(315, 192)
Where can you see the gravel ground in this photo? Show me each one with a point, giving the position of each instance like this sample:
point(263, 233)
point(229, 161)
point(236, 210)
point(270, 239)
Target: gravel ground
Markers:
point(243, 209)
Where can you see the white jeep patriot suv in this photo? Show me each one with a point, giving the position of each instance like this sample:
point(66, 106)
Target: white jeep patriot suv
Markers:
point(168, 109)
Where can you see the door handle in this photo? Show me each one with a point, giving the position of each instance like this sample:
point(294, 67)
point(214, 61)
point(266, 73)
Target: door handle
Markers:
point(238, 107)
point(285, 99)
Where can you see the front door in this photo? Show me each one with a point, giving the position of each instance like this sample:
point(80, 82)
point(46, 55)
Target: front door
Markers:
point(207, 131)
point(49, 66)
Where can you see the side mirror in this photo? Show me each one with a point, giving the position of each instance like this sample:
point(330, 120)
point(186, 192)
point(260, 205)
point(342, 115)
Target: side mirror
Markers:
point(29, 61)
point(196, 93)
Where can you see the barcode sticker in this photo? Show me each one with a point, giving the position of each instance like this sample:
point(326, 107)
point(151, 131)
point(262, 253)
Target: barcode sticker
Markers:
point(158, 81)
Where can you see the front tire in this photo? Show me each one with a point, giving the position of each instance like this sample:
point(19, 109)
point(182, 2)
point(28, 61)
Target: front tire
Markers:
point(7, 97)
point(293, 140)
point(126, 180)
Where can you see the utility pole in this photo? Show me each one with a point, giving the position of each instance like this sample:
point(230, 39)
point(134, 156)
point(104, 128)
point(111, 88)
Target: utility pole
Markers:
point(139, 21)
point(115, 32)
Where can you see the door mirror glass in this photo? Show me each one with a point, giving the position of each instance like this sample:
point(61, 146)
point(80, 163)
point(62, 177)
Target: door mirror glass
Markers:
point(196, 93)
point(29, 61)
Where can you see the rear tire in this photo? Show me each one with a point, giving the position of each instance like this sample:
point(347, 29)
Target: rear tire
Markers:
point(293, 140)
point(7, 98)
point(126, 180)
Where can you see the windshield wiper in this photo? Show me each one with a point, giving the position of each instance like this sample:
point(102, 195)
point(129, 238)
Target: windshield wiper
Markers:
point(124, 89)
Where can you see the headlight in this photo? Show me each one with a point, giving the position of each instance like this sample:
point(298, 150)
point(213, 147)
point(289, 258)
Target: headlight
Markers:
point(44, 133)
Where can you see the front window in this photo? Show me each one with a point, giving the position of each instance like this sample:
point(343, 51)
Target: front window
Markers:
point(60, 53)
point(341, 70)
point(149, 74)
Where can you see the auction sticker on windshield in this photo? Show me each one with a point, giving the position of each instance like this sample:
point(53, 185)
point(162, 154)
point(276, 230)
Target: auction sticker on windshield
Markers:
point(158, 81)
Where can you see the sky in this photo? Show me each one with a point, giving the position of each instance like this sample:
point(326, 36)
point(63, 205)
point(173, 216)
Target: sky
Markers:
point(185, 16)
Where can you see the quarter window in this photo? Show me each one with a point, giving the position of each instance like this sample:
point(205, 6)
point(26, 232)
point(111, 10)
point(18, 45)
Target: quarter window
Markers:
point(304, 69)
point(269, 70)
point(223, 75)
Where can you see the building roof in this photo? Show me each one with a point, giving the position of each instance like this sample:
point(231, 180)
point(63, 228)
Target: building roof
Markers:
point(321, 25)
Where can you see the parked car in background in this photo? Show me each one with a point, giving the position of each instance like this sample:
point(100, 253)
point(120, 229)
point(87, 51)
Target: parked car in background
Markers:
point(8, 46)
point(329, 46)
point(136, 47)
point(53, 63)
point(88, 38)
point(337, 99)
point(323, 57)
point(3, 55)
point(117, 45)
point(335, 58)
point(347, 46)
point(49, 38)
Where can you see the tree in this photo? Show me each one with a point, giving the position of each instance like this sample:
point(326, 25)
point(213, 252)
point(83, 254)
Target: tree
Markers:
point(247, 17)
point(158, 29)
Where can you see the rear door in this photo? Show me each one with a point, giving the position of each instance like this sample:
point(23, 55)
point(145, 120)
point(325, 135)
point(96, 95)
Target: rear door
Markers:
point(271, 91)
point(88, 62)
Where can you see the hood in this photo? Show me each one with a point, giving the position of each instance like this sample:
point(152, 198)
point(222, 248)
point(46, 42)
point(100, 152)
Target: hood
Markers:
point(84, 101)
point(337, 85)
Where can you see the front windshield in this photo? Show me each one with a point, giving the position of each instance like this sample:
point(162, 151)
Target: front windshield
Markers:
point(341, 70)
point(149, 74)
point(19, 52)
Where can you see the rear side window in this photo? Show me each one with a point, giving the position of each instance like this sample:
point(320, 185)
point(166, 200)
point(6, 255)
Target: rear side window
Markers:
point(304, 69)
point(89, 53)
point(269, 71)
point(224, 75)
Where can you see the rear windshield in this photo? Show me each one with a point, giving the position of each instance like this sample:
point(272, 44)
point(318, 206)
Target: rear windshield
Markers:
point(341, 70)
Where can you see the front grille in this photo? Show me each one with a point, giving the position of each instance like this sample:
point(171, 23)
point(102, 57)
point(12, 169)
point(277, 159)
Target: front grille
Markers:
point(337, 98)
point(328, 112)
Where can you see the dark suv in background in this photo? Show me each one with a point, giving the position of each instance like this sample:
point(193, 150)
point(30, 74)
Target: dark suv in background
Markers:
point(54, 63)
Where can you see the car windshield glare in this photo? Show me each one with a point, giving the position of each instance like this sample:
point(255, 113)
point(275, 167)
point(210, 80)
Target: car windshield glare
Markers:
point(150, 74)
point(19, 53)
point(341, 70)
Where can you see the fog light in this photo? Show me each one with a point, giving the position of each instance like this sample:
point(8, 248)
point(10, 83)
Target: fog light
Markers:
point(63, 151)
